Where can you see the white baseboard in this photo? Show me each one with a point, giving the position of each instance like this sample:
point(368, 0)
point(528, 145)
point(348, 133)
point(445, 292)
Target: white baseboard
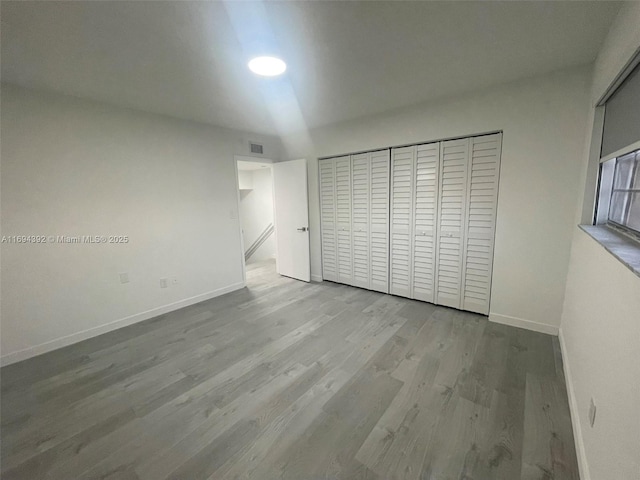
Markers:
point(45, 347)
point(583, 465)
point(316, 278)
point(522, 323)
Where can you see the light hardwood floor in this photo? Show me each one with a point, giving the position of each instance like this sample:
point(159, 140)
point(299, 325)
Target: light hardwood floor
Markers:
point(285, 379)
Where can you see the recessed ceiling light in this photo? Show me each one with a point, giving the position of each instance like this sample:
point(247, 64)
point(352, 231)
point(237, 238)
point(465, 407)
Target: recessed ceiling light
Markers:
point(267, 66)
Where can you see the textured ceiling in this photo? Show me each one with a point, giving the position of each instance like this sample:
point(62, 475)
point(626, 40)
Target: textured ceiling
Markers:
point(345, 59)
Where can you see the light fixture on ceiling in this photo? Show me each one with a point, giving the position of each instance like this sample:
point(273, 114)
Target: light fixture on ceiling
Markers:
point(267, 66)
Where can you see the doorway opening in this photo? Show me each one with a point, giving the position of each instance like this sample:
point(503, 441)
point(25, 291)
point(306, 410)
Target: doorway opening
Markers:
point(257, 218)
point(273, 205)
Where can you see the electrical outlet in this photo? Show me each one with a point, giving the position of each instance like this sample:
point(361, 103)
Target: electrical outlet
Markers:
point(124, 277)
point(592, 413)
point(164, 283)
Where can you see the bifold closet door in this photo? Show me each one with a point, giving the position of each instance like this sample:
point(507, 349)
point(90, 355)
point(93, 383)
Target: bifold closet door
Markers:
point(450, 226)
point(427, 167)
point(327, 173)
point(361, 179)
point(414, 206)
point(481, 222)
point(379, 220)
point(354, 215)
point(343, 220)
point(401, 222)
point(415, 221)
point(335, 219)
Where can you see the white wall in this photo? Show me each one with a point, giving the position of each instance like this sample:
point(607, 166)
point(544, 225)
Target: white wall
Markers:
point(72, 167)
point(256, 212)
point(544, 123)
point(600, 329)
point(245, 180)
point(621, 42)
point(601, 347)
point(619, 46)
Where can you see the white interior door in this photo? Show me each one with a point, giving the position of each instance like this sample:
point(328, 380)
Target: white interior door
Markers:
point(291, 219)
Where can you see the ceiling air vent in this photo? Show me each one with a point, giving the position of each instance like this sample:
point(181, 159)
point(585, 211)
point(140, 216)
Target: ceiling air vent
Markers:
point(256, 148)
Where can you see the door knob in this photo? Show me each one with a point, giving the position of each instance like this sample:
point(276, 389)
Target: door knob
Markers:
point(302, 229)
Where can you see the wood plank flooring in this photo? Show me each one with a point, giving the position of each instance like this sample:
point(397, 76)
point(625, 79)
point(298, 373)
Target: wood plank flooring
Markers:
point(288, 380)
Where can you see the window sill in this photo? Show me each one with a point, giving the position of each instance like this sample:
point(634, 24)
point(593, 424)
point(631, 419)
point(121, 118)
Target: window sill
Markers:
point(623, 248)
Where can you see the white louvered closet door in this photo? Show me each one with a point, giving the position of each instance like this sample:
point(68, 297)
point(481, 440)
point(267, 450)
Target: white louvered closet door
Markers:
point(427, 167)
point(360, 179)
point(343, 220)
point(401, 244)
point(327, 172)
point(379, 221)
point(415, 221)
point(451, 215)
point(481, 222)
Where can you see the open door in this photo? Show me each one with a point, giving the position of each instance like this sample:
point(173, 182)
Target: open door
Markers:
point(291, 207)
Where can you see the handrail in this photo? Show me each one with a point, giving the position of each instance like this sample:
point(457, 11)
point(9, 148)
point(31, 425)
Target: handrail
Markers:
point(259, 241)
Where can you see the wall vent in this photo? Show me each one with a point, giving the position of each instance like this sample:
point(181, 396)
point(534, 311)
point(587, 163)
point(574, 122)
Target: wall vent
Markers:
point(256, 148)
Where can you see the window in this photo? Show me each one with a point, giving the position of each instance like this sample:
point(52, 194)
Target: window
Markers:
point(618, 204)
point(618, 192)
point(624, 207)
point(622, 116)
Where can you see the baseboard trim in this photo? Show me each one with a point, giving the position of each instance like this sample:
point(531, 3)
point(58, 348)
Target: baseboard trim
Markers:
point(67, 340)
point(316, 278)
point(522, 323)
point(583, 465)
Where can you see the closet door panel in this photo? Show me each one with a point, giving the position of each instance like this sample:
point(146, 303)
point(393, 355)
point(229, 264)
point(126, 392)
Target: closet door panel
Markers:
point(480, 222)
point(415, 221)
point(343, 220)
point(327, 173)
point(425, 218)
point(360, 177)
point(451, 214)
point(401, 245)
point(379, 221)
